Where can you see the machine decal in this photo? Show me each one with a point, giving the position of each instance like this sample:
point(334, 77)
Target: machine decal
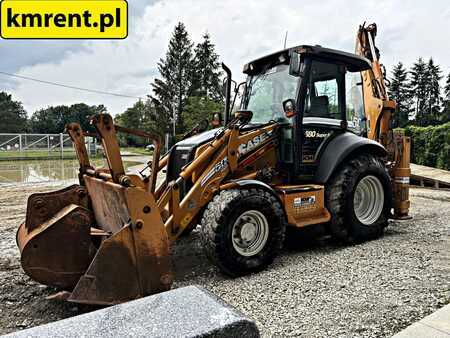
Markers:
point(301, 202)
point(402, 180)
point(253, 143)
point(316, 134)
point(222, 165)
point(257, 154)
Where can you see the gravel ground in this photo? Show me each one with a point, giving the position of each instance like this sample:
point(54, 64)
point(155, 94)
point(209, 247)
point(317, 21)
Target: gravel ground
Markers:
point(315, 289)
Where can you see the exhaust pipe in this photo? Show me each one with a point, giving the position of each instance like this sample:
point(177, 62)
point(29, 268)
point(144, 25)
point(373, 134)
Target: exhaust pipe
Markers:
point(227, 94)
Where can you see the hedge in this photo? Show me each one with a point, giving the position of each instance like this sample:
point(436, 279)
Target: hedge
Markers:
point(430, 145)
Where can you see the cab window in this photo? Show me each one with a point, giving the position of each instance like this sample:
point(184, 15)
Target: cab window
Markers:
point(324, 91)
point(354, 102)
point(267, 91)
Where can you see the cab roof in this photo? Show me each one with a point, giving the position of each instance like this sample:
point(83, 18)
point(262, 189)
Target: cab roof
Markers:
point(354, 62)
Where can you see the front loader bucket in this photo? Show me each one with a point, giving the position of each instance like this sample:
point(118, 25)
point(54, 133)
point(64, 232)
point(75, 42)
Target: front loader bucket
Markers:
point(134, 261)
point(55, 241)
point(103, 241)
point(131, 261)
point(106, 251)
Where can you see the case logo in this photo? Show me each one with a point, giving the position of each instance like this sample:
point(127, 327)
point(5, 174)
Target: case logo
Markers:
point(244, 148)
point(221, 166)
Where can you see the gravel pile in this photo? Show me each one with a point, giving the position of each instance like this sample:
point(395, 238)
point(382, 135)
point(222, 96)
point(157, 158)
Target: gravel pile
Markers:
point(315, 289)
point(319, 289)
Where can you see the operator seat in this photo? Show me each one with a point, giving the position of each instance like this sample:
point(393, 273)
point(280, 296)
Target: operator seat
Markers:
point(319, 107)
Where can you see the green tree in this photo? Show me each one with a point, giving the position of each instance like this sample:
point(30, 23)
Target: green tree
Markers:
point(49, 120)
point(143, 115)
point(52, 120)
point(174, 86)
point(132, 118)
point(207, 73)
point(199, 108)
point(154, 120)
point(400, 91)
point(433, 100)
point(446, 101)
point(13, 117)
point(82, 113)
point(419, 87)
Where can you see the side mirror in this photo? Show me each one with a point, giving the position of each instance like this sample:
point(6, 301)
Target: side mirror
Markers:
point(244, 116)
point(289, 108)
point(216, 120)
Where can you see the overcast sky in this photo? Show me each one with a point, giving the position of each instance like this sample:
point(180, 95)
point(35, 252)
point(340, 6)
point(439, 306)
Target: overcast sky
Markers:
point(241, 31)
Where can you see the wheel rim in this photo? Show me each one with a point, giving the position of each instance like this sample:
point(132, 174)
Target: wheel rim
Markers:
point(250, 233)
point(368, 200)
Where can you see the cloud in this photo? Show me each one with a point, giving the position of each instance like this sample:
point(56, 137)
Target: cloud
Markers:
point(17, 53)
point(241, 30)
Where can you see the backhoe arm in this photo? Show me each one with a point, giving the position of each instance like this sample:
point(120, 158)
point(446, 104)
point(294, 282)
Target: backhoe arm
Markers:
point(379, 110)
point(378, 107)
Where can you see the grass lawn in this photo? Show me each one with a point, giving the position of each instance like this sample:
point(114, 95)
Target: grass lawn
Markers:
point(56, 154)
point(34, 153)
point(6, 155)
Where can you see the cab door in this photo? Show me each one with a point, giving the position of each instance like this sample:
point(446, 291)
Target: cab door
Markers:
point(331, 104)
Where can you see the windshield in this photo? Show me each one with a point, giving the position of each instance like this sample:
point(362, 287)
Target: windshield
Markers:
point(267, 91)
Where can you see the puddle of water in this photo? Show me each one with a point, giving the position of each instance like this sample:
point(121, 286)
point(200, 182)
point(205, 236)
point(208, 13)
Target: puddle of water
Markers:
point(44, 171)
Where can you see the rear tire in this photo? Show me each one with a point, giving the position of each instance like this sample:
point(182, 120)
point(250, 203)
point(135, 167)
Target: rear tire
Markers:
point(358, 197)
point(243, 230)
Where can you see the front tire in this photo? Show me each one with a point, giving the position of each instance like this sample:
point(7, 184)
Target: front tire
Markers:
point(358, 197)
point(243, 230)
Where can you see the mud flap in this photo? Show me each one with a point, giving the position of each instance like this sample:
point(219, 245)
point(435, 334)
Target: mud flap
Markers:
point(133, 262)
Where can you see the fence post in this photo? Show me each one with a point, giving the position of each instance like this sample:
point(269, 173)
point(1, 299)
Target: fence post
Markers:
point(20, 144)
point(61, 143)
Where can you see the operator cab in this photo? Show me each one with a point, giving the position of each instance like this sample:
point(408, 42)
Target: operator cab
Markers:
point(314, 93)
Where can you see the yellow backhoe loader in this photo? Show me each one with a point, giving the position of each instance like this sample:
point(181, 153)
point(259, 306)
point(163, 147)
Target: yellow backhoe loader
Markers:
point(312, 143)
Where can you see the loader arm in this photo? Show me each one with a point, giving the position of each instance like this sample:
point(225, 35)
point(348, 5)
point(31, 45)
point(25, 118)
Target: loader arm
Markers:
point(379, 110)
point(216, 161)
point(119, 225)
point(223, 158)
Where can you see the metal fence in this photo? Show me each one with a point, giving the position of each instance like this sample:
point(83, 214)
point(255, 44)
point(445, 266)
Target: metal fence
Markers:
point(14, 146)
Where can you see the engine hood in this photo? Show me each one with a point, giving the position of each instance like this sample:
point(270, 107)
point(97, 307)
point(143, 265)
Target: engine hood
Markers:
point(198, 139)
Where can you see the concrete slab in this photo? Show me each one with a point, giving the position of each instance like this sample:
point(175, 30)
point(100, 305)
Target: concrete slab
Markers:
point(431, 175)
point(417, 330)
point(436, 325)
point(439, 320)
point(185, 312)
